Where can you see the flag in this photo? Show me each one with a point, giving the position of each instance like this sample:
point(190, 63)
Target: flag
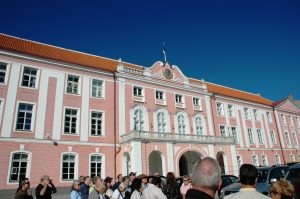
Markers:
point(164, 52)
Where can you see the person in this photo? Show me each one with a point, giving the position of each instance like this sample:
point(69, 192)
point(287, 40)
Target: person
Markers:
point(21, 192)
point(185, 186)
point(206, 178)
point(119, 193)
point(153, 191)
point(144, 180)
point(84, 187)
point(45, 189)
point(248, 178)
point(75, 190)
point(282, 189)
point(108, 182)
point(170, 189)
point(95, 181)
point(136, 189)
point(296, 184)
point(98, 191)
point(118, 181)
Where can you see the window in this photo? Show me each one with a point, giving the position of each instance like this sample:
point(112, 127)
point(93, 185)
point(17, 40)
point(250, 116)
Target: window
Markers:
point(73, 84)
point(231, 112)
point(199, 127)
point(178, 98)
point(181, 124)
point(269, 117)
point(298, 157)
point(292, 158)
point(97, 88)
point(24, 117)
point(287, 138)
point(222, 131)
point(3, 68)
point(161, 122)
point(295, 139)
point(256, 114)
point(137, 91)
point(291, 120)
point(260, 137)
point(254, 160)
point(71, 119)
point(159, 95)
point(96, 123)
point(283, 119)
point(138, 120)
point(273, 138)
point(196, 101)
point(96, 165)
point(250, 136)
point(220, 110)
point(29, 77)
point(264, 160)
point(239, 161)
point(247, 113)
point(68, 167)
point(277, 159)
point(19, 166)
point(234, 134)
point(298, 122)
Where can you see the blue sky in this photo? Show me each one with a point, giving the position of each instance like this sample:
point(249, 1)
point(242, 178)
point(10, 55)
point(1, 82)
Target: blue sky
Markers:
point(249, 45)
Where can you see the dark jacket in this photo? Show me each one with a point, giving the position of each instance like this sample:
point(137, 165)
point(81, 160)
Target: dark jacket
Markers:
point(196, 194)
point(22, 195)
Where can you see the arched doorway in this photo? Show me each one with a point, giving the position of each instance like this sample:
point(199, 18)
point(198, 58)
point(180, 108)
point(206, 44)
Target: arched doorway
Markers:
point(155, 163)
point(220, 159)
point(186, 162)
point(126, 164)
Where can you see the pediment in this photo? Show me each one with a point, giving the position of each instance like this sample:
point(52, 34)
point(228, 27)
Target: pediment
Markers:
point(288, 106)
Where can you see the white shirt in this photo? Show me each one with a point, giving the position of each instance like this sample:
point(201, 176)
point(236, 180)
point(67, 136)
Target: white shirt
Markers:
point(153, 192)
point(117, 194)
point(247, 193)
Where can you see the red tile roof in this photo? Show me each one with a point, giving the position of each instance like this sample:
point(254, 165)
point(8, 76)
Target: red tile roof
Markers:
point(60, 54)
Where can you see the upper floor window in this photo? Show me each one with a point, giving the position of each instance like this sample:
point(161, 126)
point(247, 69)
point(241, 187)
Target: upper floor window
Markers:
point(298, 121)
point(260, 137)
point(19, 166)
point(231, 112)
point(3, 69)
point(71, 120)
point(29, 77)
point(196, 101)
point(283, 119)
point(137, 91)
point(97, 88)
point(161, 122)
point(277, 159)
point(96, 165)
point(24, 117)
point(159, 95)
point(292, 157)
point(250, 136)
point(264, 160)
point(138, 120)
point(73, 84)
point(178, 98)
point(298, 157)
point(199, 126)
point(222, 131)
point(254, 160)
point(234, 134)
point(294, 135)
point(269, 117)
point(220, 109)
point(239, 161)
point(291, 120)
point(96, 123)
point(247, 113)
point(256, 114)
point(68, 167)
point(181, 124)
point(287, 138)
point(273, 138)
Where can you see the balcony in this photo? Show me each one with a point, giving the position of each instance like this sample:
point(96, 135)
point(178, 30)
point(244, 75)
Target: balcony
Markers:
point(146, 136)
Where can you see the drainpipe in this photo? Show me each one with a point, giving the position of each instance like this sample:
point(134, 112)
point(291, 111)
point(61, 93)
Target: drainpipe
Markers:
point(281, 149)
point(213, 97)
point(115, 125)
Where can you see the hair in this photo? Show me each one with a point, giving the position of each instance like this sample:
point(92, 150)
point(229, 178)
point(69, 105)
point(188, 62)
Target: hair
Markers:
point(21, 183)
point(95, 178)
point(284, 188)
point(75, 182)
point(136, 184)
point(186, 177)
point(122, 185)
point(44, 177)
point(156, 181)
point(171, 180)
point(206, 173)
point(248, 174)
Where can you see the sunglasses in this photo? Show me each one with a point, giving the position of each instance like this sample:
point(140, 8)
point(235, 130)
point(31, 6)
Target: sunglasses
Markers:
point(26, 182)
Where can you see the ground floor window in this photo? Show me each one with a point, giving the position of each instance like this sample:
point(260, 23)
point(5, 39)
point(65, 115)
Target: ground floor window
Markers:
point(19, 166)
point(96, 165)
point(68, 167)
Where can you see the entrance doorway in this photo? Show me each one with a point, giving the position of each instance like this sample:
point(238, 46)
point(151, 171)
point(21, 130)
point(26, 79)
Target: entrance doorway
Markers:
point(187, 161)
point(155, 163)
point(220, 159)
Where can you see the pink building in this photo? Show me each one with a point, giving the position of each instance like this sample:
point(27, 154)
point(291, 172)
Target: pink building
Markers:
point(109, 117)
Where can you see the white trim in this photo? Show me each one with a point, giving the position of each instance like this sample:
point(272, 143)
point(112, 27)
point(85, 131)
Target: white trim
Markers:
point(234, 160)
point(78, 126)
point(159, 101)
point(136, 157)
point(267, 162)
point(1, 109)
point(239, 128)
point(32, 128)
point(138, 98)
point(254, 155)
point(7, 71)
point(267, 136)
point(279, 127)
point(103, 174)
point(277, 155)
point(208, 102)
point(91, 88)
point(85, 104)
point(222, 113)
point(182, 103)
point(76, 166)
point(122, 104)
point(36, 87)
point(145, 113)
point(90, 123)
point(79, 84)
point(203, 122)
point(167, 119)
point(186, 122)
point(170, 157)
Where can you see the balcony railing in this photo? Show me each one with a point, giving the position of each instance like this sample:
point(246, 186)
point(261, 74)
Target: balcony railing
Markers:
point(146, 136)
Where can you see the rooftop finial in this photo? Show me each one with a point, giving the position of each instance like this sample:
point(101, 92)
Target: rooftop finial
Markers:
point(164, 52)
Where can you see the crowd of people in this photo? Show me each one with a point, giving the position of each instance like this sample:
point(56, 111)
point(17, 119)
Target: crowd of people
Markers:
point(203, 183)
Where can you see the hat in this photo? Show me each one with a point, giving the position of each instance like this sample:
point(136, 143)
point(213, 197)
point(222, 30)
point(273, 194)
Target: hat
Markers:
point(108, 179)
point(132, 173)
point(142, 176)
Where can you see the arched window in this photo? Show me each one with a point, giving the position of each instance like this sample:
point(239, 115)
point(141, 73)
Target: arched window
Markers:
point(19, 166)
point(199, 126)
point(161, 122)
point(68, 166)
point(181, 124)
point(138, 120)
point(96, 165)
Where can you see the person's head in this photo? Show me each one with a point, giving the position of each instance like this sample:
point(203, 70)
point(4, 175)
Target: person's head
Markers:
point(108, 181)
point(45, 179)
point(86, 180)
point(125, 180)
point(119, 177)
point(75, 185)
point(248, 174)
point(282, 189)
point(122, 187)
point(96, 180)
point(24, 184)
point(101, 187)
point(143, 178)
point(156, 181)
point(81, 179)
point(132, 176)
point(171, 178)
point(206, 174)
point(156, 174)
point(186, 179)
point(136, 185)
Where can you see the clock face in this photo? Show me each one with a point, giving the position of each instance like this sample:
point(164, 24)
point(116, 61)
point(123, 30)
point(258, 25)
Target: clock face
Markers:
point(168, 73)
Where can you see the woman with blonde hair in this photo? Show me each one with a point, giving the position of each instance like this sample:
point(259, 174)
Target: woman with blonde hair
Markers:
point(282, 189)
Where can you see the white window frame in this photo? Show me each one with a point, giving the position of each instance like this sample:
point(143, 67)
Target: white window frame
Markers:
point(103, 123)
point(28, 170)
point(2, 101)
point(291, 120)
point(235, 137)
point(77, 122)
point(298, 122)
point(287, 139)
point(292, 158)
point(254, 159)
point(277, 159)
point(220, 109)
point(103, 89)
point(250, 136)
point(75, 166)
point(138, 88)
point(264, 157)
point(102, 164)
point(295, 139)
point(273, 137)
point(79, 84)
point(223, 133)
point(167, 119)
point(6, 72)
point(269, 117)
point(256, 114)
point(239, 159)
point(298, 157)
point(162, 95)
point(36, 87)
point(32, 119)
point(231, 111)
point(179, 98)
point(283, 119)
point(186, 124)
point(198, 105)
point(145, 114)
point(260, 136)
point(247, 113)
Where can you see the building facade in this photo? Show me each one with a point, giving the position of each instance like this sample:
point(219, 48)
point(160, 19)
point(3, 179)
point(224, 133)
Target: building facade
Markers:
point(66, 113)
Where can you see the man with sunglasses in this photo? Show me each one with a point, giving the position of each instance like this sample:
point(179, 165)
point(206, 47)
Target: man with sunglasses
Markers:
point(21, 193)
